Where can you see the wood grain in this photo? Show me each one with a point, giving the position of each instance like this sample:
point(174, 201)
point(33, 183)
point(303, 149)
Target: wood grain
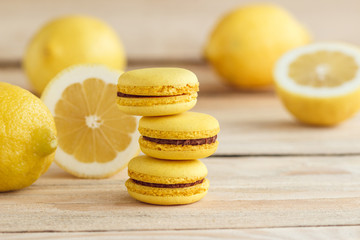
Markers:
point(257, 124)
point(308, 233)
point(159, 29)
point(250, 192)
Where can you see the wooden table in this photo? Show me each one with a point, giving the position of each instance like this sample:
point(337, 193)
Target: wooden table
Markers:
point(271, 178)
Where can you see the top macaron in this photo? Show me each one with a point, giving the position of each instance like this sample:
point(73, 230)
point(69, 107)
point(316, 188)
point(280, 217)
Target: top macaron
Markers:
point(157, 91)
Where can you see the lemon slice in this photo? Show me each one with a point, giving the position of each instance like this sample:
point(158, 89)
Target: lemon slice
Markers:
point(320, 83)
point(95, 139)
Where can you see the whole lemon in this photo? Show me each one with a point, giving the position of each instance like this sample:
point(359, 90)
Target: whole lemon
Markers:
point(246, 43)
point(27, 138)
point(67, 41)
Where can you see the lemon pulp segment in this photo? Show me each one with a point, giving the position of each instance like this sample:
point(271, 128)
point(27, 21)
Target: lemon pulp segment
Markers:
point(323, 69)
point(90, 126)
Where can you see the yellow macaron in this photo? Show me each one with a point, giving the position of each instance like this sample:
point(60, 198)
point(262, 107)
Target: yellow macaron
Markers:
point(184, 136)
point(166, 182)
point(157, 91)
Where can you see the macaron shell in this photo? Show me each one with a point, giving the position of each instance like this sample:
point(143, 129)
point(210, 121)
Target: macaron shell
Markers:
point(176, 200)
point(165, 196)
point(151, 101)
point(177, 152)
point(158, 110)
point(148, 77)
point(187, 125)
point(158, 90)
point(148, 169)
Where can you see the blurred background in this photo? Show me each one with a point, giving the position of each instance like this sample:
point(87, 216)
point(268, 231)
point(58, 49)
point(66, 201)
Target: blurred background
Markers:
point(166, 30)
point(159, 31)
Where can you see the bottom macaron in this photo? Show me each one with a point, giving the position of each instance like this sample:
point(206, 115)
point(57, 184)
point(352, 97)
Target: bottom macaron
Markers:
point(165, 182)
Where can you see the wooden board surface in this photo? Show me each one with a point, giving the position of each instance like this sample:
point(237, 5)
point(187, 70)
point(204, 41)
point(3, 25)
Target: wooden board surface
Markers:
point(257, 124)
point(249, 192)
point(271, 178)
point(308, 233)
point(159, 29)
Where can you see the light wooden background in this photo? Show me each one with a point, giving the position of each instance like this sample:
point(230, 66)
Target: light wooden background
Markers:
point(161, 29)
point(271, 178)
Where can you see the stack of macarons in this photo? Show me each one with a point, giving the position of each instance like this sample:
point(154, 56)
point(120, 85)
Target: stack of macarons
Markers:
point(172, 138)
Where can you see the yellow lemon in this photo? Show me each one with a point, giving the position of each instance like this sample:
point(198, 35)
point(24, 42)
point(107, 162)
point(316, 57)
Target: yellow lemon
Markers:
point(67, 41)
point(96, 139)
point(27, 138)
point(320, 83)
point(246, 43)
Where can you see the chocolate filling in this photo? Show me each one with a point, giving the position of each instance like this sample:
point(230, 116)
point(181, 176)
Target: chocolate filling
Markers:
point(119, 94)
point(159, 185)
point(193, 142)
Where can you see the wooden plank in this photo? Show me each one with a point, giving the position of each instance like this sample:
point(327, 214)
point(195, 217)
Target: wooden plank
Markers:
point(258, 124)
point(309, 233)
point(160, 29)
point(251, 123)
point(250, 192)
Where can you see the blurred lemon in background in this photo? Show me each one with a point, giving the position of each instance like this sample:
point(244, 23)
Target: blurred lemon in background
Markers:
point(27, 138)
point(71, 40)
point(320, 83)
point(245, 44)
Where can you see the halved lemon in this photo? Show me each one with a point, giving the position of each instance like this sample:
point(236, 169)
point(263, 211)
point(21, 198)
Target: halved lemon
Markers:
point(95, 139)
point(320, 83)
